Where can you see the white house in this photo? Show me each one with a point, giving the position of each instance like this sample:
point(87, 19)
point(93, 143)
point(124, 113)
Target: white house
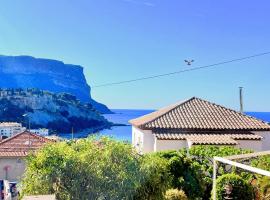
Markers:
point(42, 131)
point(9, 129)
point(198, 122)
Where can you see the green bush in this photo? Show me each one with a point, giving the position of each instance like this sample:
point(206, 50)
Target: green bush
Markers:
point(240, 189)
point(175, 194)
point(155, 178)
point(186, 175)
point(202, 158)
point(263, 182)
point(95, 168)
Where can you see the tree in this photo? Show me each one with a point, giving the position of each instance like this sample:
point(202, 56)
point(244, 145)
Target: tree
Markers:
point(95, 168)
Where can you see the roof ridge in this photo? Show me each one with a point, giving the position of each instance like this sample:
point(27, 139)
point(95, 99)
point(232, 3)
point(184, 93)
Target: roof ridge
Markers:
point(213, 117)
point(232, 110)
point(165, 110)
point(24, 132)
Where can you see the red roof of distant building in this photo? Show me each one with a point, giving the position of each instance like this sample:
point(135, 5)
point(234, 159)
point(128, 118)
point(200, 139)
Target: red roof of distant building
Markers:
point(21, 144)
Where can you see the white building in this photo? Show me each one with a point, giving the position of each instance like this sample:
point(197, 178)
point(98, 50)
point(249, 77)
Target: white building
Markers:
point(198, 122)
point(9, 129)
point(42, 131)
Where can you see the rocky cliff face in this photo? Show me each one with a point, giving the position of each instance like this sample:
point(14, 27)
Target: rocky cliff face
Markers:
point(59, 112)
point(45, 74)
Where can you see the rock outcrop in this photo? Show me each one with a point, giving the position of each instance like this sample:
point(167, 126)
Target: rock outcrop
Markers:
point(59, 112)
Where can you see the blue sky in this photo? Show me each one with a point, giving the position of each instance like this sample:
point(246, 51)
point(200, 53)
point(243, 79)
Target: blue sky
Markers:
point(124, 39)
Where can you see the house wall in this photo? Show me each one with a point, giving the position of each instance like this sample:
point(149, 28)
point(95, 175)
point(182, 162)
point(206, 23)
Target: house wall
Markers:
point(15, 168)
point(255, 145)
point(266, 139)
point(161, 145)
point(143, 140)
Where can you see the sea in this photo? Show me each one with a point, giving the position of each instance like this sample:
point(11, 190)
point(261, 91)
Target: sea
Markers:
point(122, 116)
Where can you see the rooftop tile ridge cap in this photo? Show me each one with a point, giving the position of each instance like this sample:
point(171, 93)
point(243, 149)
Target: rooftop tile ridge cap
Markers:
point(160, 112)
point(40, 138)
point(10, 138)
point(232, 110)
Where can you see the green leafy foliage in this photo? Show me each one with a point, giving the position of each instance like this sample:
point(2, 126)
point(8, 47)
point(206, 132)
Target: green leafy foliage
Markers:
point(240, 189)
point(102, 168)
point(155, 178)
point(263, 182)
point(175, 194)
point(202, 158)
point(95, 168)
point(186, 175)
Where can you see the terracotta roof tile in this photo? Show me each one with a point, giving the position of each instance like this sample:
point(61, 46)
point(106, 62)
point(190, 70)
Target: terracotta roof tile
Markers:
point(196, 113)
point(207, 138)
point(20, 144)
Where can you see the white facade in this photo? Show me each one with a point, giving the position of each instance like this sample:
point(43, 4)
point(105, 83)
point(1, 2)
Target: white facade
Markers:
point(41, 131)
point(265, 140)
point(144, 141)
point(12, 168)
point(162, 145)
point(9, 129)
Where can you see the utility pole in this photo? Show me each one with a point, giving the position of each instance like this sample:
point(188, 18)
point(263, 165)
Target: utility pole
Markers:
point(72, 134)
point(241, 99)
point(29, 140)
point(29, 123)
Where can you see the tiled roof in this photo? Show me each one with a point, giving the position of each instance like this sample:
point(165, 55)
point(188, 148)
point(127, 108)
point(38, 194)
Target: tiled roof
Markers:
point(207, 138)
point(13, 154)
point(199, 114)
point(20, 144)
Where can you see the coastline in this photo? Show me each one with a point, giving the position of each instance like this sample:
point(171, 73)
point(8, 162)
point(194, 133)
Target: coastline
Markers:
point(121, 129)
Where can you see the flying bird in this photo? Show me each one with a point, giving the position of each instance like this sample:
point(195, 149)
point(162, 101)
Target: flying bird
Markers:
point(189, 62)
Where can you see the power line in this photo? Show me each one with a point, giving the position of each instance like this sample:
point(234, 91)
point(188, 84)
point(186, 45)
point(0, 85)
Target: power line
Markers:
point(181, 71)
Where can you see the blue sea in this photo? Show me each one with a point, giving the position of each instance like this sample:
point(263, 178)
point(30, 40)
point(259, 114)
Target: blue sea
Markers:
point(122, 116)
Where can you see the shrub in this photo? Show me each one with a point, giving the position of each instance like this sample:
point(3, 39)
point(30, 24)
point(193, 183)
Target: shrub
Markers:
point(175, 194)
point(186, 175)
point(240, 189)
point(155, 178)
point(95, 168)
point(263, 182)
point(202, 158)
point(86, 169)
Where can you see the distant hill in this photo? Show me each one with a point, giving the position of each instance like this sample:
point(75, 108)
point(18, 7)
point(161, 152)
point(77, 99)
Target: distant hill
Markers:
point(45, 74)
point(59, 112)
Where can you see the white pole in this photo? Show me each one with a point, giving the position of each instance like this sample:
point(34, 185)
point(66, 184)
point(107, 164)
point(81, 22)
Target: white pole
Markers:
point(246, 167)
point(214, 179)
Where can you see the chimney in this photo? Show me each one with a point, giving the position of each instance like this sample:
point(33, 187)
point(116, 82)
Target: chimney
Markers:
point(241, 99)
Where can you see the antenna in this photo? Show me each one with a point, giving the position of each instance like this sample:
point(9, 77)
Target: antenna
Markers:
point(241, 99)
